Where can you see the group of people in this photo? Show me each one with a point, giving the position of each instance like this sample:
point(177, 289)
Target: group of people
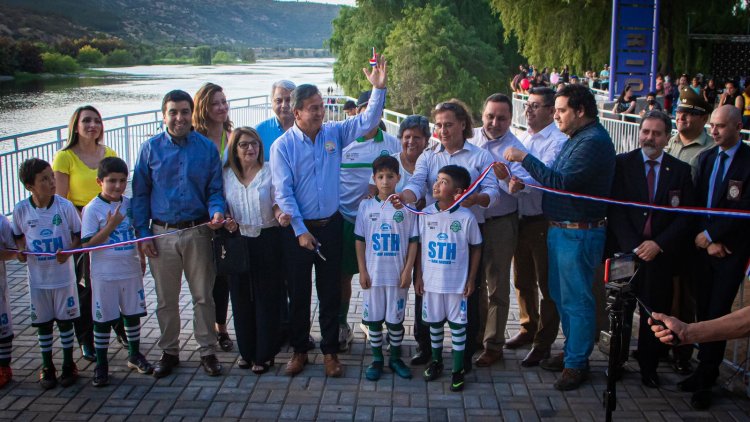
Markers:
point(348, 198)
point(529, 77)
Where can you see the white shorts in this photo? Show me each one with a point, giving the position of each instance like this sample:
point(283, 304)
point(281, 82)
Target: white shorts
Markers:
point(60, 304)
point(6, 319)
point(439, 307)
point(112, 299)
point(384, 303)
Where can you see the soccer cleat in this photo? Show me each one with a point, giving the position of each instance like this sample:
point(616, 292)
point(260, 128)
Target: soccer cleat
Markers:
point(101, 376)
point(69, 375)
point(433, 371)
point(457, 381)
point(374, 371)
point(48, 377)
point(399, 368)
point(140, 364)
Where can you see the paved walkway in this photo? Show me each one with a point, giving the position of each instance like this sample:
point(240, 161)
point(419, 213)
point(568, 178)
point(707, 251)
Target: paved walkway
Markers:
point(504, 391)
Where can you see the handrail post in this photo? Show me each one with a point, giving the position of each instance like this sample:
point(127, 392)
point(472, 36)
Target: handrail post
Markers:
point(127, 139)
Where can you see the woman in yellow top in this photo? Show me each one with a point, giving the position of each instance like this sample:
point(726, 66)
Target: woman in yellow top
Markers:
point(746, 111)
point(211, 119)
point(75, 167)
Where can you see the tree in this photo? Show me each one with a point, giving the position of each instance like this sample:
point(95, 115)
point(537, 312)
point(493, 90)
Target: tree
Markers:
point(7, 56)
point(433, 57)
point(224, 57)
point(202, 55)
point(59, 63)
point(247, 55)
point(29, 58)
point(120, 57)
point(89, 55)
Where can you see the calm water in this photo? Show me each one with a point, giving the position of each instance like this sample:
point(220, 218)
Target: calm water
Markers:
point(35, 105)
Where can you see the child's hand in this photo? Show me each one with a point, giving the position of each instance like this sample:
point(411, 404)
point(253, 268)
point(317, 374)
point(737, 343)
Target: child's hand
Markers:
point(405, 279)
point(21, 256)
point(419, 286)
point(364, 280)
point(61, 257)
point(469, 289)
point(114, 219)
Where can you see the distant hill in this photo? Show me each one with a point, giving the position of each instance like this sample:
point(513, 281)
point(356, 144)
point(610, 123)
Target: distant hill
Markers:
point(254, 23)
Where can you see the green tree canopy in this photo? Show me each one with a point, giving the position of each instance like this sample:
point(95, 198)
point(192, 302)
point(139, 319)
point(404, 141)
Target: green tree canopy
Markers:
point(433, 58)
point(202, 55)
point(120, 57)
point(89, 55)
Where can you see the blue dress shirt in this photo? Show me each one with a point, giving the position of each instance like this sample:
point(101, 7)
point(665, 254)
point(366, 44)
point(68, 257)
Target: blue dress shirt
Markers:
point(176, 182)
point(269, 130)
point(305, 173)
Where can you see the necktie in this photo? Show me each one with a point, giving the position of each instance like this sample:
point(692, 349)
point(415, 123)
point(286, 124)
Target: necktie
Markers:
point(651, 181)
point(718, 180)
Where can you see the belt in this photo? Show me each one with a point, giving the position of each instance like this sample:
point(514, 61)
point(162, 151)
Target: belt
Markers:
point(531, 218)
point(321, 222)
point(486, 219)
point(580, 225)
point(180, 225)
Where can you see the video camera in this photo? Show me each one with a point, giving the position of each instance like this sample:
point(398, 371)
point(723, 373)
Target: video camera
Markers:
point(619, 272)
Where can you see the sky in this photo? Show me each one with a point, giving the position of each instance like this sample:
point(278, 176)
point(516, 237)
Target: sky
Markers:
point(346, 2)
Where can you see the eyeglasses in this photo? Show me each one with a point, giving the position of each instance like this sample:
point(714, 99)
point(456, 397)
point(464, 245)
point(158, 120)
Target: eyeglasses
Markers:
point(246, 145)
point(534, 106)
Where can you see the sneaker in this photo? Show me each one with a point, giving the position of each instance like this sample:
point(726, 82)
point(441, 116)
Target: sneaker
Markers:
point(101, 376)
point(48, 377)
point(69, 375)
point(399, 368)
point(140, 364)
point(6, 374)
point(374, 371)
point(345, 337)
point(433, 371)
point(457, 381)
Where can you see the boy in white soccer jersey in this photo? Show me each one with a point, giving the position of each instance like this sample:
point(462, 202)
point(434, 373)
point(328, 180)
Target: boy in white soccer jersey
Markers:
point(7, 244)
point(116, 272)
point(49, 223)
point(386, 247)
point(450, 249)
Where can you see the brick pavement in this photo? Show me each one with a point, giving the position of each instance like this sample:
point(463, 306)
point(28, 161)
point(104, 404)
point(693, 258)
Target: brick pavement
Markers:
point(505, 391)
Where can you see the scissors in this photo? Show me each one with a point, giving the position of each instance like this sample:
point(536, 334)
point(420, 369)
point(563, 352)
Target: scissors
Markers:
point(317, 251)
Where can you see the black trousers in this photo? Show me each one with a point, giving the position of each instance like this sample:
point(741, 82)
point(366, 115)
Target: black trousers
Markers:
point(84, 325)
point(298, 263)
point(718, 280)
point(255, 298)
point(653, 285)
point(221, 299)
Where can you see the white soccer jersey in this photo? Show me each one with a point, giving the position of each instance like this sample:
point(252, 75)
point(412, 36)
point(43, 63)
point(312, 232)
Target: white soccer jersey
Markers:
point(386, 232)
point(47, 230)
point(445, 239)
point(356, 169)
point(111, 264)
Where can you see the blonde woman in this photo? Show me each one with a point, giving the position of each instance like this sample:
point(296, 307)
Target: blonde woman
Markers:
point(252, 210)
point(211, 119)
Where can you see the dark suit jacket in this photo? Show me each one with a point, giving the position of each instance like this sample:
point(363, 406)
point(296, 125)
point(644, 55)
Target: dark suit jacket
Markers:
point(670, 230)
point(732, 232)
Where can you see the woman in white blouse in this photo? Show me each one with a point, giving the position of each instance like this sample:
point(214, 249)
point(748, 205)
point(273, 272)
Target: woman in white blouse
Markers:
point(252, 210)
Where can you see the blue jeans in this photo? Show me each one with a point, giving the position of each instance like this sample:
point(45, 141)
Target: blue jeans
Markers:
point(573, 256)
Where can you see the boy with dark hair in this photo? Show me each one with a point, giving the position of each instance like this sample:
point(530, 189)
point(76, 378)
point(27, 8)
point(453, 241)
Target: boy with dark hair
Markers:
point(450, 250)
point(386, 246)
point(47, 223)
point(116, 272)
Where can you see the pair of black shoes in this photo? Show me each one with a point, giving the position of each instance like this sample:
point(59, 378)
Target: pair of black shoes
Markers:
point(164, 366)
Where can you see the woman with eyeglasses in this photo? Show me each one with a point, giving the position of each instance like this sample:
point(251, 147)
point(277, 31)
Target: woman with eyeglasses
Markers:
point(211, 119)
point(252, 209)
point(454, 125)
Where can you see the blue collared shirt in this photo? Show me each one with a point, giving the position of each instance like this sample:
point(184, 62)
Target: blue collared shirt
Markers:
point(305, 173)
point(269, 130)
point(175, 183)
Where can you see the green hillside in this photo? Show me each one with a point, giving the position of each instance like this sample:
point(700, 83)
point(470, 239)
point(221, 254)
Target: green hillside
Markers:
point(254, 23)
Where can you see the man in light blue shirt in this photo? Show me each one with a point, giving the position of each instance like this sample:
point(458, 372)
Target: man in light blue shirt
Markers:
point(281, 104)
point(305, 165)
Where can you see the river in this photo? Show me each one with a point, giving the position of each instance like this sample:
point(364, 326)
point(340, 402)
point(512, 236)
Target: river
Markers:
point(38, 104)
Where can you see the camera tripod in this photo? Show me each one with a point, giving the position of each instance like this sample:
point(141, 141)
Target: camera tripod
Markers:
point(620, 296)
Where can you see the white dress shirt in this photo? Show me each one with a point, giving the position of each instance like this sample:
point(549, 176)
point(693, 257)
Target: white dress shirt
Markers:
point(250, 206)
point(545, 145)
